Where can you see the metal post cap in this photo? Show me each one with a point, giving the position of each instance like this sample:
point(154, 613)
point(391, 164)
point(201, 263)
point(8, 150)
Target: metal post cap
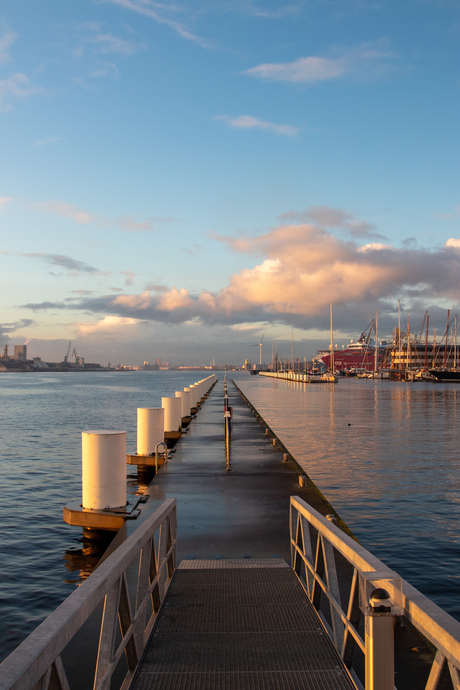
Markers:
point(379, 600)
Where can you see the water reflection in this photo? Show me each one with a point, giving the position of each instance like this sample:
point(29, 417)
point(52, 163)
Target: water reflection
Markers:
point(386, 455)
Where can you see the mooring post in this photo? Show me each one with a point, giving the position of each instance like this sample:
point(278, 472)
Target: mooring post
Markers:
point(379, 642)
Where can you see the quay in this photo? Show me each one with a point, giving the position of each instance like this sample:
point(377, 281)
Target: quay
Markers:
point(238, 574)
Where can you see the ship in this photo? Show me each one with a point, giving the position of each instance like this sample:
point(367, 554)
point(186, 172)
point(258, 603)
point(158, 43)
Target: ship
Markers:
point(362, 356)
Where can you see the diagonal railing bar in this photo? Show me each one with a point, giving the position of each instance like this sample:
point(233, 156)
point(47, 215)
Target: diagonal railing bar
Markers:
point(127, 628)
point(36, 663)
point(437, 626)
point(354, 617)
point(333, 587)
point(108, 632)
point(436, 670)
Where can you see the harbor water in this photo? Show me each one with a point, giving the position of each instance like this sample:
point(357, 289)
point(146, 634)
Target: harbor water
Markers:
point(385, 454)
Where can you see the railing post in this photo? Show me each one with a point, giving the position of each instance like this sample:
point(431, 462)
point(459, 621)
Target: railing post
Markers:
point(379, 642)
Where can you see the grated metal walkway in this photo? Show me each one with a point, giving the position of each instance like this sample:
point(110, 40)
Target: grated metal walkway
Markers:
point(238, 624)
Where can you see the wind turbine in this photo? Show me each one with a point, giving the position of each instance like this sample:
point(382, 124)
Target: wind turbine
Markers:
point(259, 345)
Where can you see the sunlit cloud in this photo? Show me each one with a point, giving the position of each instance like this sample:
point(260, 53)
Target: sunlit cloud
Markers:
point(366, 60)
point(108, 325)
point(453, 242)
point(4, 200)
point(249, 122)
point(305, 268)
point(64, 210)
point(82, 217)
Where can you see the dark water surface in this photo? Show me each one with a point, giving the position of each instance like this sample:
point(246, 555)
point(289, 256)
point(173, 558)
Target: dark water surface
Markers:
point(42, 415)
point(385, 454)
point(387, 457)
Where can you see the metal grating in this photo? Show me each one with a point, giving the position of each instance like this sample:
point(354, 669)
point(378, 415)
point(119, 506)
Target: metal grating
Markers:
point(235, 628)
point(232, 563)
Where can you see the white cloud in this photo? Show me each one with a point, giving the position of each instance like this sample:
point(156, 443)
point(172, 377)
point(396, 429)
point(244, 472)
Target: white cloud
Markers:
point(374, 247)
point(362, 60)
point(45, 142)
point(453, 242)
point(249, 122)
point(6, 41)
point(106, 43)
point(17, 86)
point(162, 14)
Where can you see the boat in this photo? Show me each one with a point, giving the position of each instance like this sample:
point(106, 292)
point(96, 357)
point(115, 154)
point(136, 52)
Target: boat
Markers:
point(446, 375)
point(330, 376)
point(356, 357)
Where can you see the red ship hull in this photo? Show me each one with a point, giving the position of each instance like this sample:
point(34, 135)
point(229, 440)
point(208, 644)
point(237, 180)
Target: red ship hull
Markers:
point(351, 359)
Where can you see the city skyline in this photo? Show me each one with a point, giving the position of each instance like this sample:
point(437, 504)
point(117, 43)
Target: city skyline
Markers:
point(178, 181)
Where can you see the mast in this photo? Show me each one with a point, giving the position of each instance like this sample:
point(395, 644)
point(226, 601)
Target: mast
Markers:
point(447, 337)
point(376, 341)
point(332, 346)
point(426, 339)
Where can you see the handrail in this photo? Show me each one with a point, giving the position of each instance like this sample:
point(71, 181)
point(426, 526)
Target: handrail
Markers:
point(314, 544)
point(38, 658)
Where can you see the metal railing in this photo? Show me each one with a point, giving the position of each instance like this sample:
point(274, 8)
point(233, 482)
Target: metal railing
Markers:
point(345, 584)
point(128, 616)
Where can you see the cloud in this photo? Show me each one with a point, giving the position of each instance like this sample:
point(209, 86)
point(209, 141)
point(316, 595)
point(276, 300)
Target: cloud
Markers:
point(7, 328)
point(4, 200)
point(59, 208)
point(304, 268)
point(108, 325)
point(106, 43)
point(249, 122)
point(72, 265)
point(454, 243)
point(364, 60)
point(82, 217)
point(162, 14)
point(17, 86)
point(327, 217)
point(6, 41)
point(45, 142)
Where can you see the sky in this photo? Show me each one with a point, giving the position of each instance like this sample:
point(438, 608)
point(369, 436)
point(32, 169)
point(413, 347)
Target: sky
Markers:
point(185, 180)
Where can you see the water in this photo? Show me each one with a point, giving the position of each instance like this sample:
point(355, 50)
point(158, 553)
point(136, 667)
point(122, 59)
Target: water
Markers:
point(42, 416)
point(385, 455)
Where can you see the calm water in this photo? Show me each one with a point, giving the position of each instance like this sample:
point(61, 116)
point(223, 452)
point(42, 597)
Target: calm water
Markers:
point(385, 455)
point(41, 419)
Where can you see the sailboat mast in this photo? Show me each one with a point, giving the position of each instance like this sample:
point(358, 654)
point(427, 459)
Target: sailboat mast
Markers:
point(332, 346)
point(376, 341)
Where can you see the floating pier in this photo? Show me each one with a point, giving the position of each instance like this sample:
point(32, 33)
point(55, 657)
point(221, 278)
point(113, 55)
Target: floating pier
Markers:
point(239, 574)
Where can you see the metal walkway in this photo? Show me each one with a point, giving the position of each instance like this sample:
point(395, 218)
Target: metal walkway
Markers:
point(238, 624)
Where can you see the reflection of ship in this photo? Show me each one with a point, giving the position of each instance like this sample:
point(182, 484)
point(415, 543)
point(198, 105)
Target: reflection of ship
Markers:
point(360, 356)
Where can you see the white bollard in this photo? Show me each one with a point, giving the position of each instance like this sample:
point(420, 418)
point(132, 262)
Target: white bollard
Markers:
point(191, 399)
point(173, 413)
point(150, 429)
point(103, 469)
point(185, 402)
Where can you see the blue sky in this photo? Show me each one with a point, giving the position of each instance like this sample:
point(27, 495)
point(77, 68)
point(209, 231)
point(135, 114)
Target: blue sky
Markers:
point(177, 179)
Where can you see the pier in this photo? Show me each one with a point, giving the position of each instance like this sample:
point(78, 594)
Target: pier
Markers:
point(238, 574)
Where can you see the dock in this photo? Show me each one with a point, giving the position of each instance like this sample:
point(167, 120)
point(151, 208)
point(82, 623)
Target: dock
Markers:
point(238, 574)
